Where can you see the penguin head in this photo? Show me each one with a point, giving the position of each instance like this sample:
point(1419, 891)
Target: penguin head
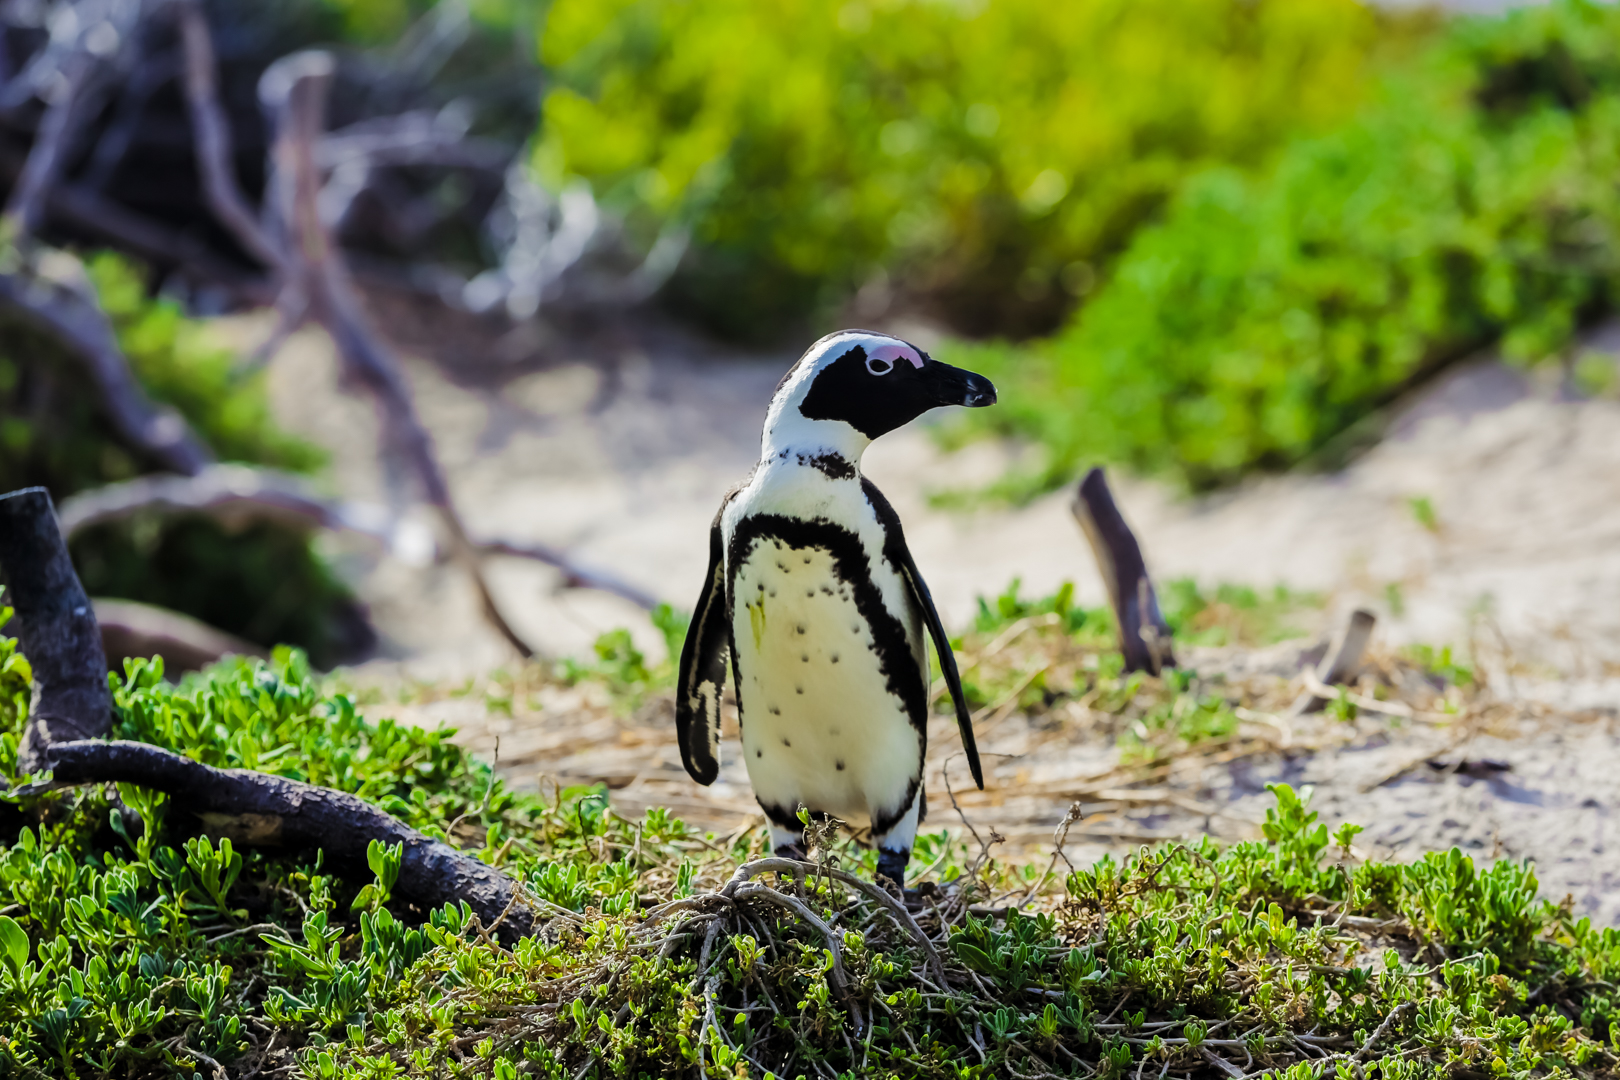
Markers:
point(872, 382)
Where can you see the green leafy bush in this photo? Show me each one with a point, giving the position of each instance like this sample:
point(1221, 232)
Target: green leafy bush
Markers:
point(1472, 201)
point(264, 582)
point(988, 159)
point(131, 946)
point(52, 432)
point(179, 363)
point(623, 668)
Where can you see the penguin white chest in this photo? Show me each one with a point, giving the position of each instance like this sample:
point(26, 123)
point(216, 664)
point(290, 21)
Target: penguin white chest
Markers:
point(821, 723)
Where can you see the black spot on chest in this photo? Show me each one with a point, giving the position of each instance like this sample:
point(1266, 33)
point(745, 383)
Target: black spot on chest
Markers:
point(835, 466)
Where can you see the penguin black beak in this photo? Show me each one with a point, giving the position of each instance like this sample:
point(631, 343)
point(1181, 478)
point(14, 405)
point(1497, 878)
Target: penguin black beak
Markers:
point(954, 386)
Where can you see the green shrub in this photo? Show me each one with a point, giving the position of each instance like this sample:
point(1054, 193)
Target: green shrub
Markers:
point(131, 946)
point(623, 668)
point(262, 582)
point(178, 362)
point(52, 431)
point(1473, 201)
point(265, 582)
point(987, 158)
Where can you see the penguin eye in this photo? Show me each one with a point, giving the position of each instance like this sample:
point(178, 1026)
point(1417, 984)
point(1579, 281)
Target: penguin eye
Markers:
point(879, 365)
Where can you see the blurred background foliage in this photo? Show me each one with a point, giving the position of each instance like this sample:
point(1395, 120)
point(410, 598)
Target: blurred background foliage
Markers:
point(173, 357)
point(1471, 200)
point(982, 162)
point(1195, 237)
point(180, 363)
point(1245, 226)
point(263, 582)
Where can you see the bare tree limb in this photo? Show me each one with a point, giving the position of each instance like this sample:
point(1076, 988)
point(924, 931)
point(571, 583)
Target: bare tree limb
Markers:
point(239, 492)
point(75, 320)
point(56, 628)
point(294, 89)
point(231, 493)
point(261, 810)
point(1144, 636)
point(130, 629)
point(419, 137)
point(574, 575)
point(291, 307)
point(1341, 661)
point(84, 39)
point(25, 208)
point(78, 205)
point(212, 134)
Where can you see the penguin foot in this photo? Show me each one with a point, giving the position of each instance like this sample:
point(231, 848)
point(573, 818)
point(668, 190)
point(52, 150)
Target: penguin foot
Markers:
point(793, 851)
point(892, 865)
point(917, 899)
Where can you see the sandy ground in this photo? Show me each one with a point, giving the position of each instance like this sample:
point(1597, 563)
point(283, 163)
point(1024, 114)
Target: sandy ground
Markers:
point(624, 458)
point(621, 453)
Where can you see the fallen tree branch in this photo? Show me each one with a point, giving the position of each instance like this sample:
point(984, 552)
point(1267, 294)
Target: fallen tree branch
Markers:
point(235, 493)
point(56, 628)
point(574, 575)
point(1340, 664)
point(1144, 636)
point(302, 251)
point(73, 318)
point(261, 810)
point(129, 629)
point(232, 493)
point(72, 711)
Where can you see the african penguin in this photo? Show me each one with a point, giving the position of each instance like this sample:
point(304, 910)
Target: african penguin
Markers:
point(815, 599)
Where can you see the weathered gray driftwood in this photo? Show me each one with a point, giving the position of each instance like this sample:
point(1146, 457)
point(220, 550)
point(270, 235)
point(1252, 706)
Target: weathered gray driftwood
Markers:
point(55, 626)
point(261, 810)
point(1144, 636)
point(72, 713)
point(1341, 661)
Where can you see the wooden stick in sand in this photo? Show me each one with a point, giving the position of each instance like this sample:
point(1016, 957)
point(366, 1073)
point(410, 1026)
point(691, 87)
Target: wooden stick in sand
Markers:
point(1144, 636)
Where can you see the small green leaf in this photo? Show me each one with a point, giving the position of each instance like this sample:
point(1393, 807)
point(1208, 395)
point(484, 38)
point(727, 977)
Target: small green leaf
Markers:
point(13, 944)
point(974, 957)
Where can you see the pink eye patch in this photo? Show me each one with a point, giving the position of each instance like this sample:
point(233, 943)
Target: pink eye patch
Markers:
point(895, 352)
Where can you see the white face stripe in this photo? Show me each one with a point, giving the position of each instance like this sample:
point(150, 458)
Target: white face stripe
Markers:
point(900, 351)
point(786, 428)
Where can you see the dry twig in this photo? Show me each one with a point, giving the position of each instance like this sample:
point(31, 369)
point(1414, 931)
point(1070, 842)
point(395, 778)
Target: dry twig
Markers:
point(303, 253)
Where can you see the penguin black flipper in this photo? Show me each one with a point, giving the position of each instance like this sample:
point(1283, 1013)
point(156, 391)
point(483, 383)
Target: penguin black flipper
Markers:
point(895, 550)
point(702, 674)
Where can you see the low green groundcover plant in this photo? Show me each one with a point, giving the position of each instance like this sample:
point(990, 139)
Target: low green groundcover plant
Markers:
point(1471, 201)
point(131, 946)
